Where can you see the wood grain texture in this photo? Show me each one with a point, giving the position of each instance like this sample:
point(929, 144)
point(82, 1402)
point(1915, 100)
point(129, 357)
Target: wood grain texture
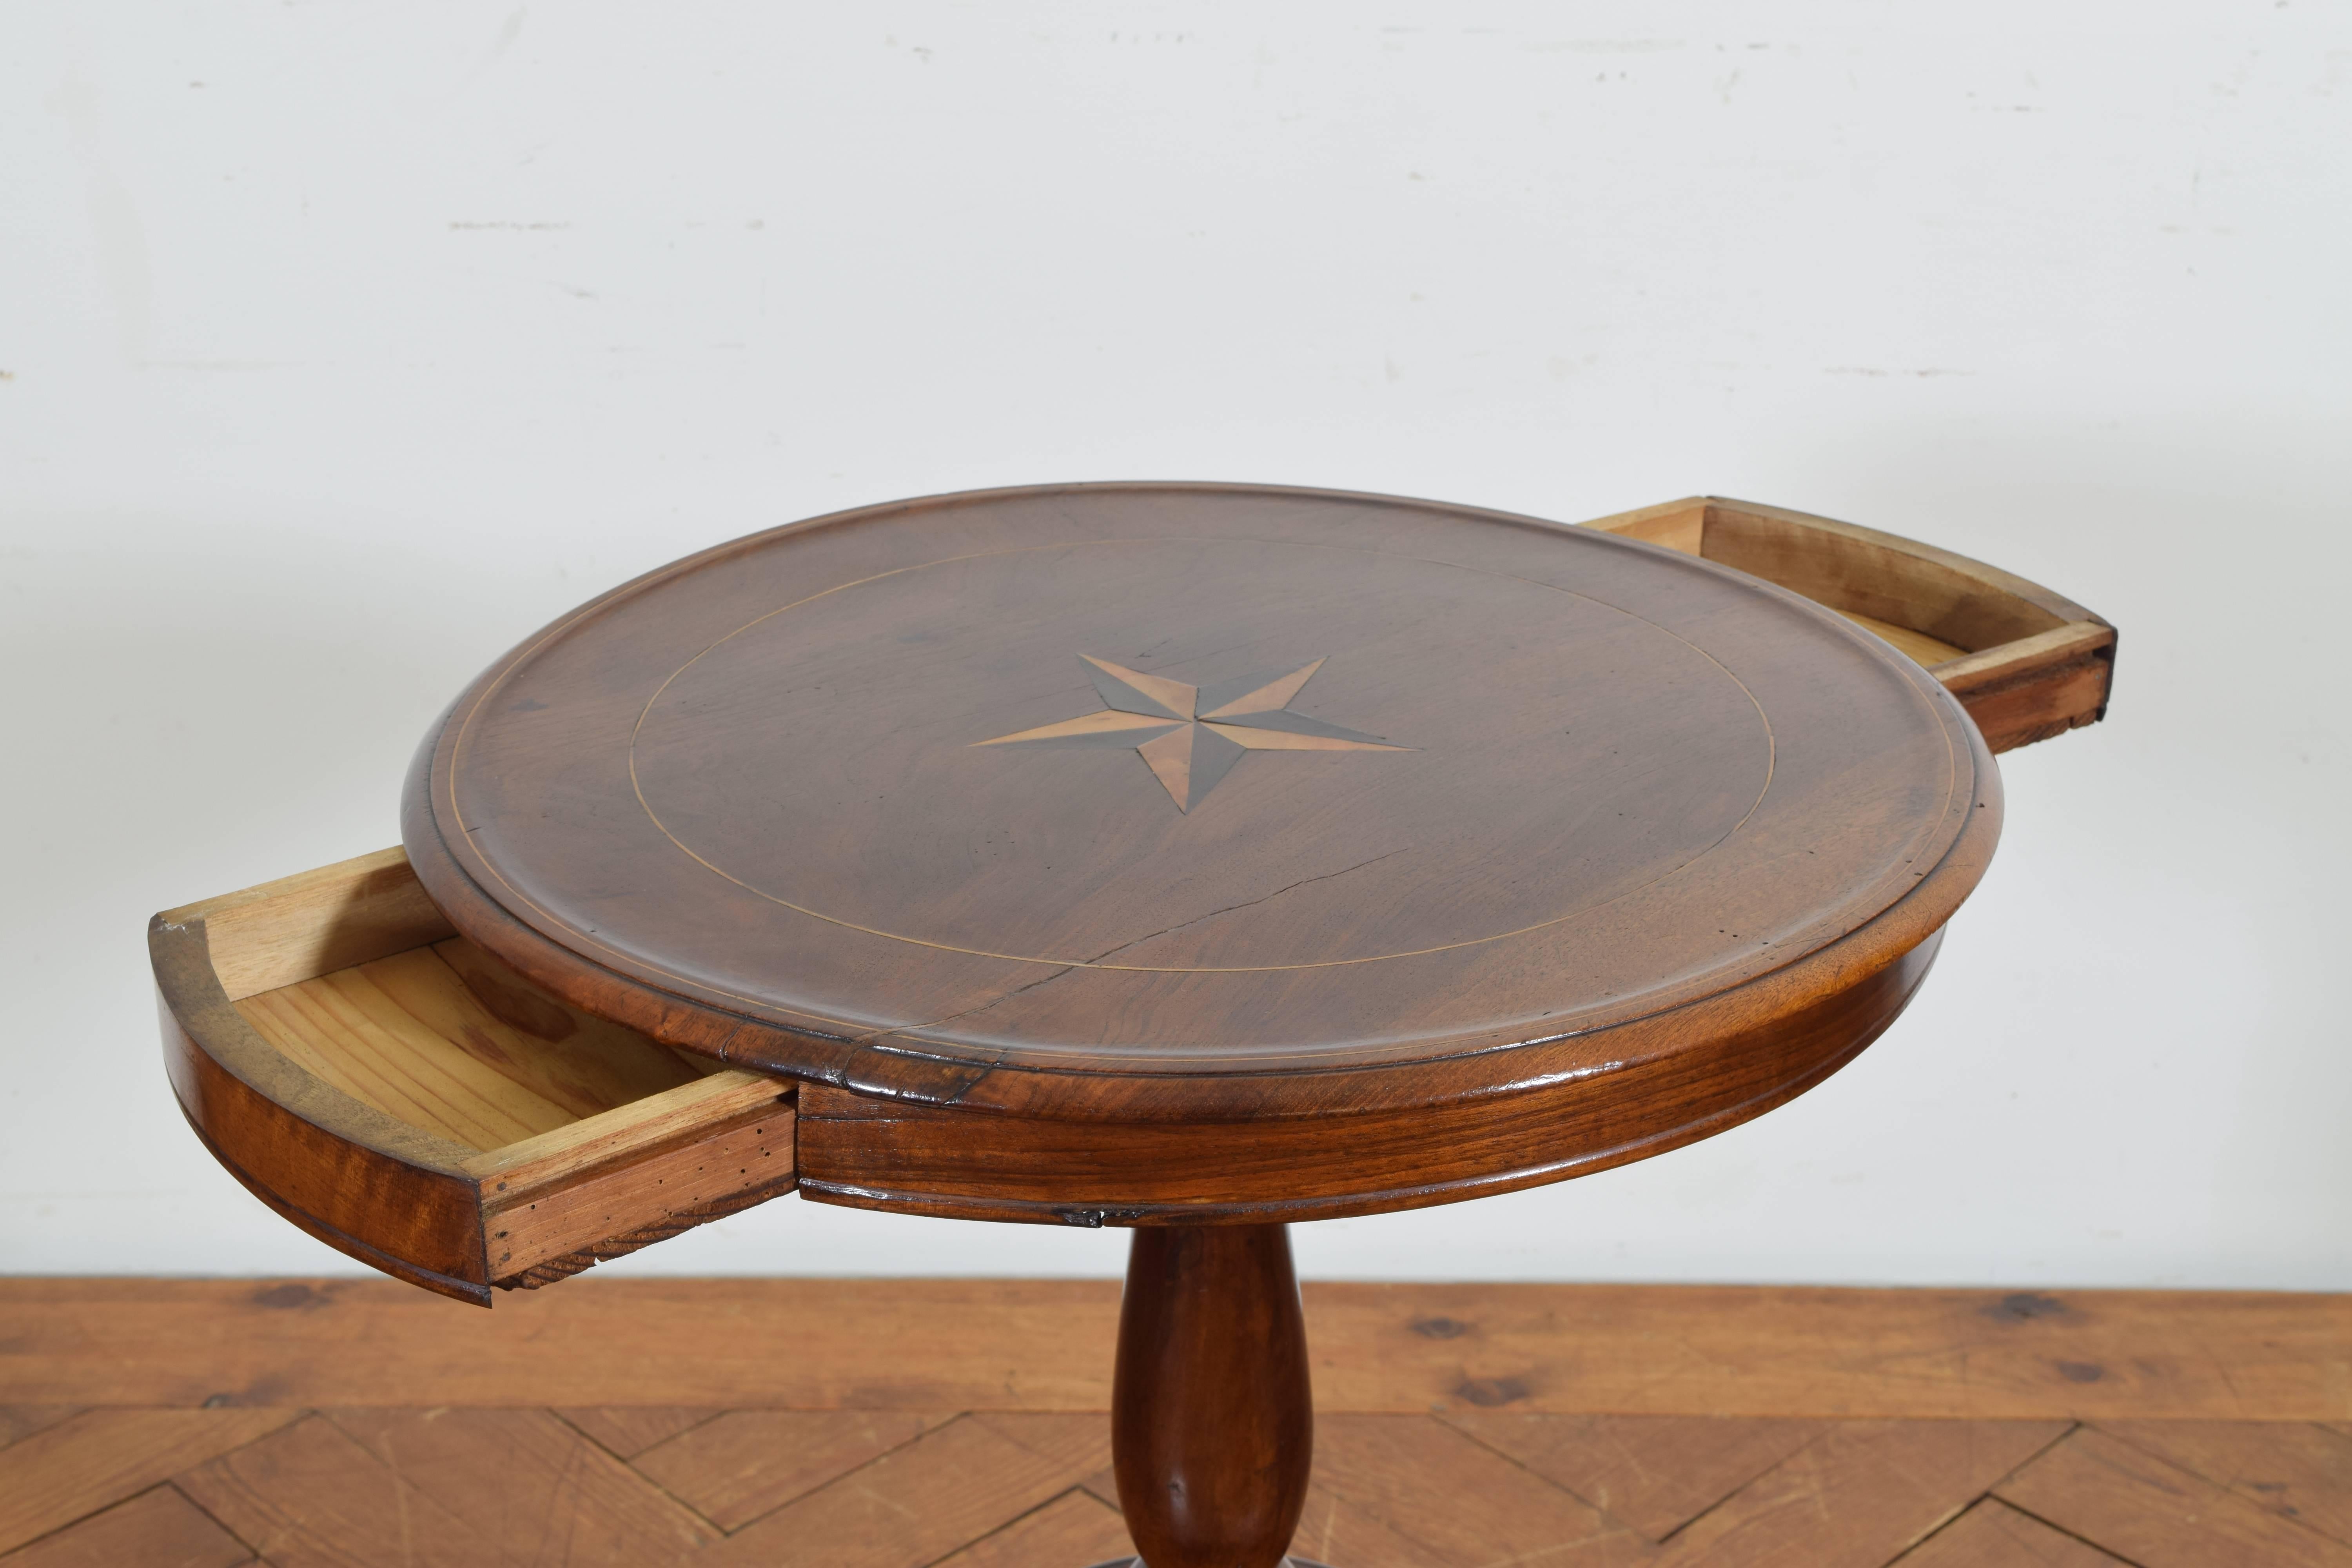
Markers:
point(748, 1463)
point(559, 1159)
point(312, 1497)
point(1073, 1530)
point(2158, 1515)
point(504, 1473)
point(1213, 1424)
point(719, 1163)
point(1401, 1476)
point(1929, 651)
point(582, 1063)
point(1881, 1487)
point(1861, 571)
point(1714, 821)
point(1334, 1529)
point(1677, 525)
point(2046, 686)
point(347, 1029)
point(102, 1457)
point(315, 922)
point(570, 1265)
point(2027, 663)
point(1656, 1473)
point(157, 1529)
point(624, 1431)
point(436, 1488)
point(443, 1038)
point(2302, 1472)
point(392, 1195)
point(398, 1480)
point(1790, 1350)
point(405, 1107)
point(1080, 1443)
point(1994, 1535)
point(871, 1153)
point(22, 1420)
point(967, 1477)
point(949, 1344)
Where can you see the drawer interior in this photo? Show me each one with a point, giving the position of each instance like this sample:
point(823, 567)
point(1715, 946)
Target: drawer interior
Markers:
point(2027, 663)
point(388, 1087)
point(448, 1040)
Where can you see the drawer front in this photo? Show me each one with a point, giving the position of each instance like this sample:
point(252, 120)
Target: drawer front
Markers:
point(865, 1152)
point(401, 1097)
point(412, 1222)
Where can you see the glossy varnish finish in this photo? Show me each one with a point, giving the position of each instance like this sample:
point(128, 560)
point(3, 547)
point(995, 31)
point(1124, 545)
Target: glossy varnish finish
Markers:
point(389, 1089)
point(1598, 847)
point(1212, 1421)
point(874, 1153)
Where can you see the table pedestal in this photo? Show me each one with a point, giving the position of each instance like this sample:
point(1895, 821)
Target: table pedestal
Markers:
point(1212, 1426)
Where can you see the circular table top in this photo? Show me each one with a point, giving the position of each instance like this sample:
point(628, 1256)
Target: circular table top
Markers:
point(1153, 799)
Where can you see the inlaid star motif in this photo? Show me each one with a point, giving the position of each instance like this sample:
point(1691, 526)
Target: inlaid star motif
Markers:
point(1191, 736)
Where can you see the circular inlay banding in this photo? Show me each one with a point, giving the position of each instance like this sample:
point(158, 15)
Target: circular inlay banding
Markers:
point(843, 757)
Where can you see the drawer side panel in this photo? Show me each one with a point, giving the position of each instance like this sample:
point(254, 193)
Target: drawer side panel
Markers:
point(420, 1225)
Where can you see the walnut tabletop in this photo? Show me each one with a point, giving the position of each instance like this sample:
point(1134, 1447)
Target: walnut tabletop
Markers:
point(1180, 805)
point(1208, 805)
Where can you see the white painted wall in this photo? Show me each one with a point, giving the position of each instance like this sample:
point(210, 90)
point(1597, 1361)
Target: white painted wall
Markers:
point(345, 343)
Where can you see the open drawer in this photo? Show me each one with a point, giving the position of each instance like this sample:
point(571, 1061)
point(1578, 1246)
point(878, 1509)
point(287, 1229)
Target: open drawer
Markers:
point(380, 1082)
point(2026, 663)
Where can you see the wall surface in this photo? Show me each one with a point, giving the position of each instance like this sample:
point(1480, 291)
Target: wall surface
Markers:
point(344, 343)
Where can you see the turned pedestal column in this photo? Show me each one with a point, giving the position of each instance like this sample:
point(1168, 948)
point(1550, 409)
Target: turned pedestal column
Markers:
point(1213, 1428)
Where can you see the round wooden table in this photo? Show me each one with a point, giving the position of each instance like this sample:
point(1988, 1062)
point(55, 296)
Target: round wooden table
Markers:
point(1199, 858)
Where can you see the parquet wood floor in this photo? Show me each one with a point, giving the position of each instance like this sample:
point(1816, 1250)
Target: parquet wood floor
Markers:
point(883, 1474)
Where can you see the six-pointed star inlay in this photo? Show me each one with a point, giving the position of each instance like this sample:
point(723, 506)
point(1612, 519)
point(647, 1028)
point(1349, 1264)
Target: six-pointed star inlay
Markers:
point(1190, 736)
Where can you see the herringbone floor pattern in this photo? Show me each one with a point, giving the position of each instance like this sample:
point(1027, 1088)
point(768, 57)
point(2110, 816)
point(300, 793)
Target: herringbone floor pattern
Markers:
point(910, 1423)
point(451, 1487)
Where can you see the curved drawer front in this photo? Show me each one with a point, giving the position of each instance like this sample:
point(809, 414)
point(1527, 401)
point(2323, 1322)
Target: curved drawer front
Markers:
point(387, 1087)
point(2026, 663)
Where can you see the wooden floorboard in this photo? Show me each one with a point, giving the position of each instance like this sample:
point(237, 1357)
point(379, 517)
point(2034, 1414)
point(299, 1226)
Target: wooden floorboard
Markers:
point(963, 1425)
point(1657, 1473)
point(746, 1463)
point(2123, 1498)
point(924, 1345)
point(24, 1420)
point(1994, 1535)
point(99, 1458)
point(1861, 1495)
point(913, 1506)
point(1072, 1532)
point(2299, 1471)
point(628, 1430)
point(1408, 1475)
point(158, 1528)
point(310, 1497)
point(506, 1473)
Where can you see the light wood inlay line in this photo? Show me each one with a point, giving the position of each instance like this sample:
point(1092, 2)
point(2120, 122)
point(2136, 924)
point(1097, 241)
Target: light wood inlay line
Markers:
point(1169, 724)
